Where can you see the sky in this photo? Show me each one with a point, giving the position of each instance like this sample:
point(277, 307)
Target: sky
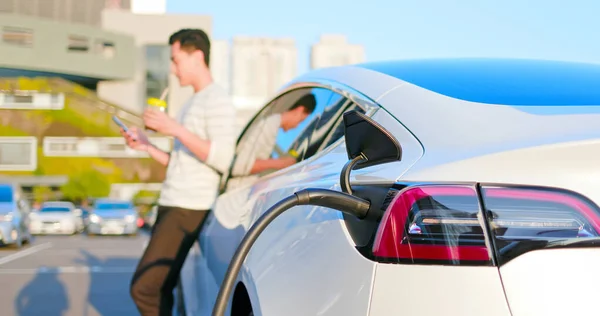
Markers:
point(400, 29)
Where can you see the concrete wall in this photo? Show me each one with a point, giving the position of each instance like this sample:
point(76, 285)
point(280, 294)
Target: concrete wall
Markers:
point(31, 43)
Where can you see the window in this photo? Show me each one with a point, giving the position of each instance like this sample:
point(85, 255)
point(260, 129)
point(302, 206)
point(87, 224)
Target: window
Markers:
point(78, 43)
point(17, 36)
point(18, 153)
point(106, 49)
point(324, 124)
point(337, 131)
point(265, 138)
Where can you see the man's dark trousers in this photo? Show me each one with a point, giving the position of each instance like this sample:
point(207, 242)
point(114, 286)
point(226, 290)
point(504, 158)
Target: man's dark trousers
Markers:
point(173, 235)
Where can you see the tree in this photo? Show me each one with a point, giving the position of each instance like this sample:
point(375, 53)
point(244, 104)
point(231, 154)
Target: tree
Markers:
point(42, 193)
point(89, 183)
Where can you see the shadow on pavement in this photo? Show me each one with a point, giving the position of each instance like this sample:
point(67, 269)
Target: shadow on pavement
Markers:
point(109, 280)
point(46, 289)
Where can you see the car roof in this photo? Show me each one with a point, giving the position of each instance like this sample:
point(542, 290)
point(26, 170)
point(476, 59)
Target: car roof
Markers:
point(516, 82)
point(451, 126)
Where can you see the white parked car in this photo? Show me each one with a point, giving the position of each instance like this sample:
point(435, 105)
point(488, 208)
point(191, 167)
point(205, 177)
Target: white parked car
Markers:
point(56, 218)
point(492, 208)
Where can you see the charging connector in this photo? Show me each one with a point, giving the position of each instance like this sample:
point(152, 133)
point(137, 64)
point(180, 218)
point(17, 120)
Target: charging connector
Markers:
point(319, 197)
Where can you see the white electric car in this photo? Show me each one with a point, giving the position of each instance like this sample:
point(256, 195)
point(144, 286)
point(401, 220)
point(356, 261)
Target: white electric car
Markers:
point(491, 210)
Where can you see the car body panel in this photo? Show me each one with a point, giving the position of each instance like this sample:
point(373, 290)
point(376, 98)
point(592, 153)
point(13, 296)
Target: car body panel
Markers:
point(437, 290)
point(553, 282)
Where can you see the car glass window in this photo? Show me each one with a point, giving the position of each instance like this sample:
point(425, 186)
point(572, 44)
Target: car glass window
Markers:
point(50, 209)
point(265, 137)
point(337, 131)
point(325, 124)
point(296, 141)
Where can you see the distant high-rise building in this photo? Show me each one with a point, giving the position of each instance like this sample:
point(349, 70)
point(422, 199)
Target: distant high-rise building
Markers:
point(74, 11)
point(334, 50)
point(220, 62)
point(260, 67)
point(149, 6)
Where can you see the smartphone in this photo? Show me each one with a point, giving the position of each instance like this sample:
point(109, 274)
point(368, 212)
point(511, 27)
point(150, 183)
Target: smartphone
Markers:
point(121, 124)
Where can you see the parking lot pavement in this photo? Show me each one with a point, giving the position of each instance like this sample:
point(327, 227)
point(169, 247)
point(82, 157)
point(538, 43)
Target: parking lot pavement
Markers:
point(70, 275)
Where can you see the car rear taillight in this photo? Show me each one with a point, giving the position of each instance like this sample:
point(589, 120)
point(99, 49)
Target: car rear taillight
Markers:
point(445, 224)
point(523, 219)
point(434, 224)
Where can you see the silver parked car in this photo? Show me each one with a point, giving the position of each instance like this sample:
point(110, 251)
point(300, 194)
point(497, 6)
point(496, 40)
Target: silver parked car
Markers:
point(113, 217)
point(14, 216)
point(56, 218)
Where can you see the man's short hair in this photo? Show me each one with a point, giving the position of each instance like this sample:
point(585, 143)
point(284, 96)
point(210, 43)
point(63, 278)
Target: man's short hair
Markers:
point(192, 40)
point(308, 101)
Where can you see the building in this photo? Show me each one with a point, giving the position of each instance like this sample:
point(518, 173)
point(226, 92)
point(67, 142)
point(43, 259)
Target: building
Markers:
point(152, 58)
point(71, 11)
point(52, 124)
point(220, 63)
point(31, 46)
point(260, 66)
point(149, 6)
point(334, 50)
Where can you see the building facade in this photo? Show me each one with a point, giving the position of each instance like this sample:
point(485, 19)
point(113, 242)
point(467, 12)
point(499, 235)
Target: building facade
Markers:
point(85, 54)
point(71, 11)
point(149, 6)
point(334, 50)
point(220, 63)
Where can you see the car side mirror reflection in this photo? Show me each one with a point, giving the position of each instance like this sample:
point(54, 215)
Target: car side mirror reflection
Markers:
point(367, 144)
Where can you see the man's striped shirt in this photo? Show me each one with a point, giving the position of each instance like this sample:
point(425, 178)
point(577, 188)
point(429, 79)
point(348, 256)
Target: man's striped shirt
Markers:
point(191, 183)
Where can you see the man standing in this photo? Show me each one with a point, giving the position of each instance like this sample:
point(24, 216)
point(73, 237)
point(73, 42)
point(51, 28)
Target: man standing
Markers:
point(204, 141)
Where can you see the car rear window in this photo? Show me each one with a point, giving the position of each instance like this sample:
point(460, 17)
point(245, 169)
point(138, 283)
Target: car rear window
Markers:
point(112, 206)
point(54, 209)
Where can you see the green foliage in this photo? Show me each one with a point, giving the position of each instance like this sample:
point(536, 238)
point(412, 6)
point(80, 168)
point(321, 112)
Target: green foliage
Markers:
point(145, 199)
point(42, 193)
point(89, 183)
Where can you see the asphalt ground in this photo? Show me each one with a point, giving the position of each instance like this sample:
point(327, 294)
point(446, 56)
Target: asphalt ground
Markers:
point(70, 275)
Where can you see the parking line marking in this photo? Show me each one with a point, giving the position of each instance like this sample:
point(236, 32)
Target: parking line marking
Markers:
point(70, 270)
point(24, 253)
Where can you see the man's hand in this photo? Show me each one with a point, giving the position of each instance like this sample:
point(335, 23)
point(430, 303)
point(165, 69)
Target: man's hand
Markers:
point(136, 139)
point(161, 122)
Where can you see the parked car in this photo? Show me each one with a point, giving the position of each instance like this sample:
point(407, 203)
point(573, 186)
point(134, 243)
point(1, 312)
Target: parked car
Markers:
point(113, 217)
point(14, 216)
point(56, 217)
point(492, 209)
